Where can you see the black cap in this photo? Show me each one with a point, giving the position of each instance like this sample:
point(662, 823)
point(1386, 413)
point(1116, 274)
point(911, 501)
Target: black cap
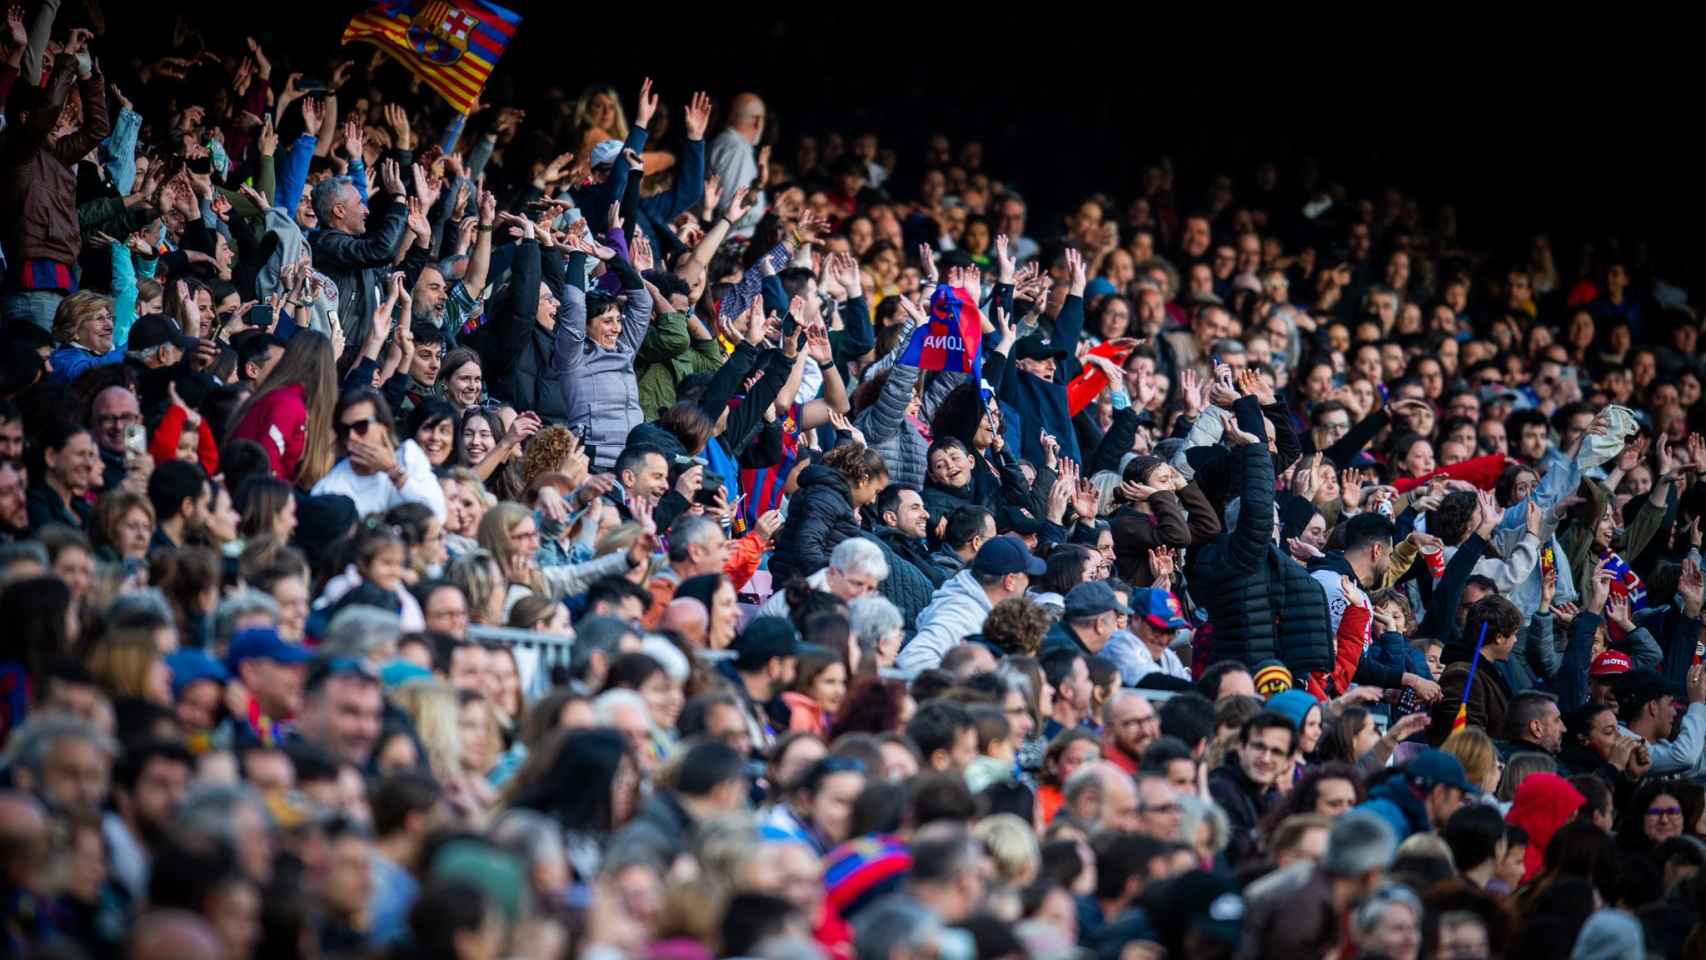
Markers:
point(763, 640)
point(155, 329)
point(1038, 347)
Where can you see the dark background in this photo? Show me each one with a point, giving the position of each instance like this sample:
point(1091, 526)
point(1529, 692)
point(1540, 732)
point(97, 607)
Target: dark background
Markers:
point(1581, 129)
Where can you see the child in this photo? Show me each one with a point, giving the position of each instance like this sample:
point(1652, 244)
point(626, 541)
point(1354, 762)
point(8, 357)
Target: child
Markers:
point(1104, 680)
point(183, 434)
point(378, 556)
point(996, 755)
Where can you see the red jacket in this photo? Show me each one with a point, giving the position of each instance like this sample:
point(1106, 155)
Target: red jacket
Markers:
point(1348, 649)
point(279, 423)
point(170, 431)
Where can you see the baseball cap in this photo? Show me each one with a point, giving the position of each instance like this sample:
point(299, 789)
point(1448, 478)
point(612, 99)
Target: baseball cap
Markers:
point(1092, 599)
point(1272, 677)
point(1611, 663)
point(606, 152)
point(764, 639)
point(1160, 608)
point(1038, 347)
point(192, 666)
point(155, 329)
point(1005, 555)
point(1198, 902)
point(264, 643)
point(1637, 687)
point(1432, 768)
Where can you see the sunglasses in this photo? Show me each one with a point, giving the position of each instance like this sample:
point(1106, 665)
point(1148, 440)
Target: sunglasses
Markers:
point(357, 427)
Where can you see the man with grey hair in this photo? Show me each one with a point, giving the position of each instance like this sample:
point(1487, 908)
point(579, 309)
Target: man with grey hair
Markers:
point(732, 160)
point(625, 712)
point(363, 633)
point(236, 817)
point(1300, 910)
point(697, 546)
point(897, 928)
point(352, 255)
point(241, 609)
point(857, 567)
point(62, 760)
point(1104, 797)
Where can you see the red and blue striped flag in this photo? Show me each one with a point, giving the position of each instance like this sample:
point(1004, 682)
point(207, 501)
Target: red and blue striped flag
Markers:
point(451, 45)
point(953, 339)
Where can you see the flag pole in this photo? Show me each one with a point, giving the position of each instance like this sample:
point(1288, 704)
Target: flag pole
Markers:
point(1462, 719)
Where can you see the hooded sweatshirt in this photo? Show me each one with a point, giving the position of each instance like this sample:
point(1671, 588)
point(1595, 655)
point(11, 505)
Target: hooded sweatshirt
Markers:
point(1544, 803)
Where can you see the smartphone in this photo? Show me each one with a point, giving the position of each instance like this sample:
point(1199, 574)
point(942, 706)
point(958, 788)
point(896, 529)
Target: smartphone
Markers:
point(136, 439)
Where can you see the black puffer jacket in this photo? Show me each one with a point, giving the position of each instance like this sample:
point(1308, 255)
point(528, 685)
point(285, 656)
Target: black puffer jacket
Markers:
point(820, 515)
point(1001, 493)
point(914, 552)
point(526, 344)
point(1262, 603)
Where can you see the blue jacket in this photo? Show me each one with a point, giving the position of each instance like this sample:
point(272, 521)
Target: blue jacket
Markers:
point(1397, 802)
point(657, 211)
point(1041, 404)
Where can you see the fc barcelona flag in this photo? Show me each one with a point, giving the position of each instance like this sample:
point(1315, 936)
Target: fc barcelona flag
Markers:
point(450, 44)
point(953, 339)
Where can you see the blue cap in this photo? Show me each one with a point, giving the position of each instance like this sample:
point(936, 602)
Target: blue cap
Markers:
point(1160, 608)
point(1435, 768)
point(1006, 555)
point(398, 672)
point(1100, 287)
point(192, 666)
point(1092, 599)
point(264, 643)
point(606, 152)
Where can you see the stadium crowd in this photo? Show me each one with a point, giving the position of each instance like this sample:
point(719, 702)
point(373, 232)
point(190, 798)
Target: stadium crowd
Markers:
point(542, 534)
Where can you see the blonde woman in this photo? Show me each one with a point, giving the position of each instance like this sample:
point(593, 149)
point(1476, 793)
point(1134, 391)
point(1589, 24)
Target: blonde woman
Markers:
point(128, 663)
point(510, 533)
point(466, 502)
point(1012, 845)
point(436, 712)
point(1474, 749)
point(482, 581)
point(84, 336)
point(482, 741)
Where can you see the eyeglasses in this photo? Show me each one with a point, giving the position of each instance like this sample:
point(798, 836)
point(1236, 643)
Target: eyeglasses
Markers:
point(117, 419)
point(1262, 749)
point(357, 427)
point(1664, 812)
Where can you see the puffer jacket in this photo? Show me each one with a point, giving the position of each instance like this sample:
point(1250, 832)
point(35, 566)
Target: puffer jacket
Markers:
point(598, 385)
point(1000, 493)
point(915, 552)
point(957, 612)
point(1262, 603)
point(888, 431)
point(357, 265)
point(38, 191)
point(820, 515)
point(531, 385)
point(1543, 803)
point(1245, 804)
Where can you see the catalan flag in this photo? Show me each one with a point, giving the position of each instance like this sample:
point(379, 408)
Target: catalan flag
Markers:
point(1462, 719)
point(450, 44)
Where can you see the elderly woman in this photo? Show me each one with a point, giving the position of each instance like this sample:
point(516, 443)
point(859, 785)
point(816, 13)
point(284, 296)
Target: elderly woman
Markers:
point(877, 631)
point(375, 471)
point(1389, 923)
point(85, 336)
point(596, 341)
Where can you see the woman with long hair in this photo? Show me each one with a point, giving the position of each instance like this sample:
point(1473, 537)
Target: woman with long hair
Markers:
point(591, 787)
point(290, 413)
point(42, 627)
point(267, 506)
point(128, 663)
point(821, 514)
point(510, 533)
point(437, 427)
point(818, 691)
point(493, 451)
point(717, 592)
point(482, 580)
point(375, 471)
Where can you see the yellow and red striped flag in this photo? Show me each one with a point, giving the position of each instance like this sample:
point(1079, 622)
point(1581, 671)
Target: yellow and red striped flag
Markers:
point(1462, 718)
point(451, 45)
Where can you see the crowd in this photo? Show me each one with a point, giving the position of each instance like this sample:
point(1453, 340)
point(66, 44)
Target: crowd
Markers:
point(1288, 576)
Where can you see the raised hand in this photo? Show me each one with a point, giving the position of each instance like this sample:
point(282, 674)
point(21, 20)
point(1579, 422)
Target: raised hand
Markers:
point(1599, 587)
point(769, 522)
point(1003, 260)
point(740, 204)
point(696, 116)
point(648, 104)
point(1086, 501)
point(640, 252)
point(520, 227)
point(1162, 561)
point(1691, 587)
point(817, 344)
point(1075, 268)
point(1235, 436)
point(1307, 477)
point(313, 111)
point(927, 264)
point(1664, 465)
point(398, 120)
point(15, 26)
point(1301, 550)
point(1190, 383)
point(1253, 384)
point(391, 177)
point(1489, 510)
